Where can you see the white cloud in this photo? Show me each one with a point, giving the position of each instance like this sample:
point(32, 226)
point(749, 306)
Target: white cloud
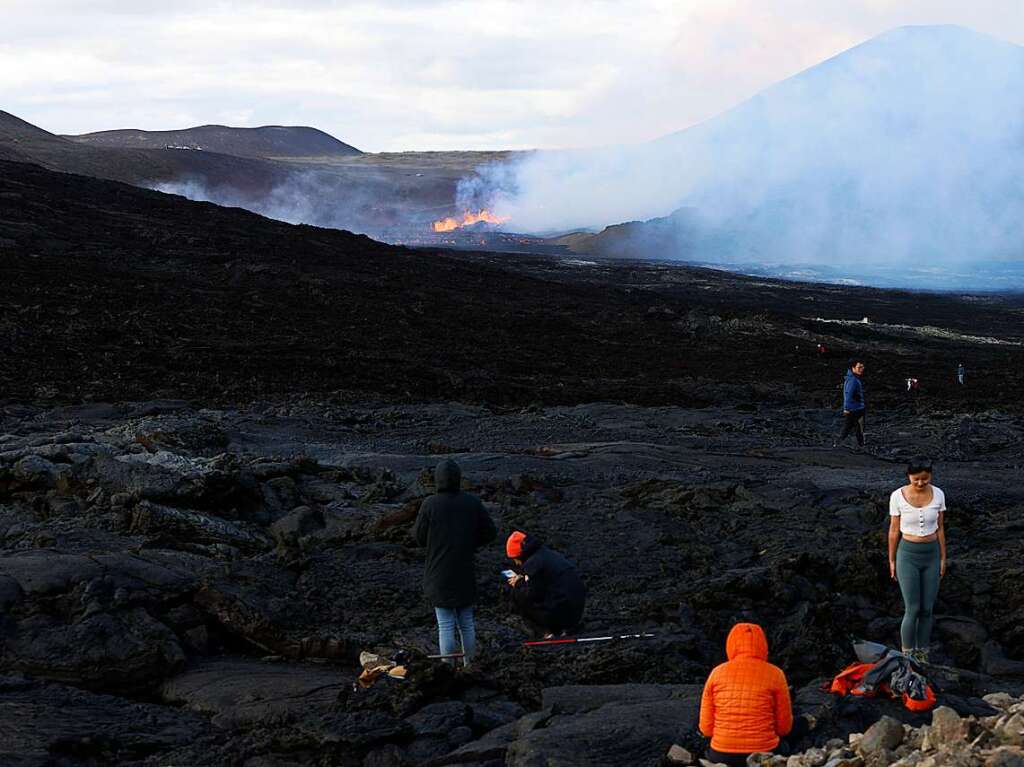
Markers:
point(436, 74)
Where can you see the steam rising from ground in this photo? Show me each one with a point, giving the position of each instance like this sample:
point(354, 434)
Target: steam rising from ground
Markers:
point(904, 153)
point(292, 201)
point(362, 200)
point(907, 149)
point(299, 199)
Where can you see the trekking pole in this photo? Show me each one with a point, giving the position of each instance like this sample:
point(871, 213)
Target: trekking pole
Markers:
point(582, 640)
point(446, 656)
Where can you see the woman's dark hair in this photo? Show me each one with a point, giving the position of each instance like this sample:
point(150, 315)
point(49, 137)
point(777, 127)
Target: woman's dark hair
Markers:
point(854, 361)
point(918, 464)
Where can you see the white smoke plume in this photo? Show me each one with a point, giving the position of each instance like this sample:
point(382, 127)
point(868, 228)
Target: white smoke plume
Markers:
point(908, 149)
point(365, 202)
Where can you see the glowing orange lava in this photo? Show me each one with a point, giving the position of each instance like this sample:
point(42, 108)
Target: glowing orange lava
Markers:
point(468, 219)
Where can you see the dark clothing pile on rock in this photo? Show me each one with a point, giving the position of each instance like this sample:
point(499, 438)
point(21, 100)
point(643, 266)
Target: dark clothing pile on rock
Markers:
point(552, 595)
point(900, 673)
point(883, 670)
point(452, 525)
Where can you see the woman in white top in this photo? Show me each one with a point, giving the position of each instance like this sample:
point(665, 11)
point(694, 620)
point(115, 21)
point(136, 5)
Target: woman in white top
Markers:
point(917, 552)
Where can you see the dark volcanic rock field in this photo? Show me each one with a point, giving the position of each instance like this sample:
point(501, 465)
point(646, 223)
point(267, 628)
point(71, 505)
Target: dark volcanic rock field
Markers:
point(215, 432)
point(115, 293)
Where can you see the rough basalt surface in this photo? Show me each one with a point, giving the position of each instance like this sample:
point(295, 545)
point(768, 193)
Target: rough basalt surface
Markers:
point(229, 585)
point(217, 430)
point(113, 293)
point(996, 740)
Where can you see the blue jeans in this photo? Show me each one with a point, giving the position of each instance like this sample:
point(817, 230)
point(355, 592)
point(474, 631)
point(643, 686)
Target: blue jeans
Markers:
point(448, 619)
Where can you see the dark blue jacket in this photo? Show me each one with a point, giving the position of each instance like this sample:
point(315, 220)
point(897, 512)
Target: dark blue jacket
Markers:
point(853, 392)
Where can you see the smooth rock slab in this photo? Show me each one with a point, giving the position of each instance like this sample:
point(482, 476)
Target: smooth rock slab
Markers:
point(41, 724)
point(441, 718)
point(46, 573)
point(495, 743)
point(125, 650)
point(580, 698)
point(245, 693)
point(613, 735)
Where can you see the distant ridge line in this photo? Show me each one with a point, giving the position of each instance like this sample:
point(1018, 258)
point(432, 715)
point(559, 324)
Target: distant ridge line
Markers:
point(266, 141)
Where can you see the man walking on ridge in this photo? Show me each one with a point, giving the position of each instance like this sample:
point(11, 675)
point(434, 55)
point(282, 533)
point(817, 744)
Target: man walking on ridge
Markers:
point(853, 404)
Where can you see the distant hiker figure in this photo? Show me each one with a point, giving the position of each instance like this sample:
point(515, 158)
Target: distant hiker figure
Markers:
point(822, 349)
point(960, 373)
point(548, 593)
point(745, 707)
point(917, 552)
point(853, 404)
point(452, 525)
point(913, 387)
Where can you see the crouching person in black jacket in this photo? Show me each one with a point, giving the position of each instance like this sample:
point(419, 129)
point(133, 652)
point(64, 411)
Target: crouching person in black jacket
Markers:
point(452, 525)
point(548, 593)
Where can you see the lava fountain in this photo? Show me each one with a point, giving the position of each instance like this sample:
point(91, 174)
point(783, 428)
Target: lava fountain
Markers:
point(468, 219)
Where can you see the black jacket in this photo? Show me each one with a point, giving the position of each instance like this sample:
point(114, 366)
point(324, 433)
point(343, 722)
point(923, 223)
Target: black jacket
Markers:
point(553, 592)
point(452, 525)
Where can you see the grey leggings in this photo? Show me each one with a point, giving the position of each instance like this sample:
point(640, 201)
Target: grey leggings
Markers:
point(917, 570)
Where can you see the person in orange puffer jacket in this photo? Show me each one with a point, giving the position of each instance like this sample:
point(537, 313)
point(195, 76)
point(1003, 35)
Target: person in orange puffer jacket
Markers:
point(745, 707)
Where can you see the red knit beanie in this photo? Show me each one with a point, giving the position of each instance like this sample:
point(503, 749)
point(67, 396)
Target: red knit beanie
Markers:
point(514, 545)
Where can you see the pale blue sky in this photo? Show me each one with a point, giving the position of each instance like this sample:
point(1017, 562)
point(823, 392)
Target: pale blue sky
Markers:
point(425, 74)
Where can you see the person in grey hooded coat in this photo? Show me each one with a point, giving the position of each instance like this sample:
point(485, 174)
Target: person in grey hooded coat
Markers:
point(452, 525)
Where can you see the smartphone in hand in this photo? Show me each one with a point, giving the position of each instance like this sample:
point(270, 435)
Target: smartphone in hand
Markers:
point(508, 573)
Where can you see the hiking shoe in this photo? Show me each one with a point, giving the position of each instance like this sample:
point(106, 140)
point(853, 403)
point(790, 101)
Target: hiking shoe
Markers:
point(920, 655)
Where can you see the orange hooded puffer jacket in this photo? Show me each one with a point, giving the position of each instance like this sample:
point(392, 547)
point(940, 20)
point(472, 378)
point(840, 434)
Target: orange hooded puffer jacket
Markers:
point(746, 707)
